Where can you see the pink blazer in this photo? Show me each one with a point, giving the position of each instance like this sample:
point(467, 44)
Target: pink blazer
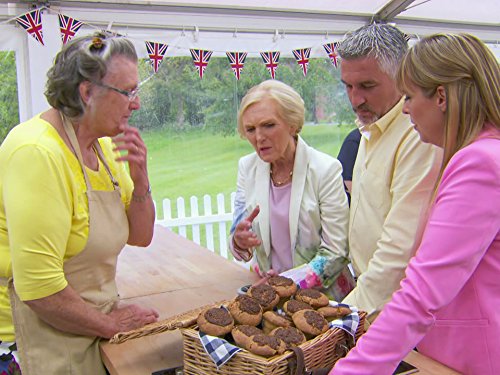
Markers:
point(449, 303)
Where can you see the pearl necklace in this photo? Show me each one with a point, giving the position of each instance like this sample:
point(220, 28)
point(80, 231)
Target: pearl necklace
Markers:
point(279, 183)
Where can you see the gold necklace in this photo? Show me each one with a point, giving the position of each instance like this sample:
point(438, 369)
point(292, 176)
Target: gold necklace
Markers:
point(279, 183)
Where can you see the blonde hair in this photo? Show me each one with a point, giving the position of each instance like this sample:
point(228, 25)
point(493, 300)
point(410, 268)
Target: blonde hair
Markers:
point(470, 75)
point(289, 103)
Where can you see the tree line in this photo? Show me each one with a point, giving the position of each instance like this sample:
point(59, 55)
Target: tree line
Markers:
point(175, 98)
point(9, 104)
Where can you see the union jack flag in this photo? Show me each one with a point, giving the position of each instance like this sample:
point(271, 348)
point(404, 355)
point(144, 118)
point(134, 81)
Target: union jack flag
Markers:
point(201, 59)
point(156, 51)
point(302, 57)
point(237, 60)
point(271, 60)
point(32, 23)
point(331, 50)
point(69, 27)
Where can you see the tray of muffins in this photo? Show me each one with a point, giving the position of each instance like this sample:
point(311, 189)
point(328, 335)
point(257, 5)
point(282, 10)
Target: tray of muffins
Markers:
point(267, 321)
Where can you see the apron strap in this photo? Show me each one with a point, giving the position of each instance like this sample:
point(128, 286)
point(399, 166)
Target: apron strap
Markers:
point(70, 132)
point(98, 148)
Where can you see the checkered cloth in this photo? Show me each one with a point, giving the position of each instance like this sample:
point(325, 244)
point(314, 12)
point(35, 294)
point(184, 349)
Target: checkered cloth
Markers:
point(218, 349)
point(348, 323)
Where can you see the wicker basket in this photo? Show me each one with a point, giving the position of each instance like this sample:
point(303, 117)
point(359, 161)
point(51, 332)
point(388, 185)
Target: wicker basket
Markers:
point(322, 351)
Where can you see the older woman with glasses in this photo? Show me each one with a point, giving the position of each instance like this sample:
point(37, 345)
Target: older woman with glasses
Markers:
point(67, 208)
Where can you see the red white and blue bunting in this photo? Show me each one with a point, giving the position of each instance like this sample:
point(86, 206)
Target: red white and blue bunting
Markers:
point(331, 50)
point(69, 27)
point(32, 23)
point(271, 60)
point(156, 51)
point(302, 57)
point(200, 59)
point(236, 61)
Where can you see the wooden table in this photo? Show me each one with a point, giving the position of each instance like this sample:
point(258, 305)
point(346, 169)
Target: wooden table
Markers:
point(174, 275)
point(428, 366)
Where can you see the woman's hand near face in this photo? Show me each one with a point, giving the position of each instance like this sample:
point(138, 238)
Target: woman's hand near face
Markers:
point(243, 238)
point(141, 212)
point(131, 141)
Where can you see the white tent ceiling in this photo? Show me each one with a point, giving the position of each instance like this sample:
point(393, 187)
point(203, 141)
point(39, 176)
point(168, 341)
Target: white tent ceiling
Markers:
point(480, 17)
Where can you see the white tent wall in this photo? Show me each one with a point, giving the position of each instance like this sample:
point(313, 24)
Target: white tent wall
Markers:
point(218, 25)
point(39, 63)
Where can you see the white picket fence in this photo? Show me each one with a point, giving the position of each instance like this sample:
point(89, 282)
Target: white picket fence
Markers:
point(216, 222)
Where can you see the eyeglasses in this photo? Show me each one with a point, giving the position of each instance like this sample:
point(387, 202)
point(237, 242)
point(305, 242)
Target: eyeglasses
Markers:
point(131, 95)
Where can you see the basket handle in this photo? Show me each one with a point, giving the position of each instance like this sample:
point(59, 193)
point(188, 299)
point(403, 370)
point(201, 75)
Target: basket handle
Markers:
point(300, 368)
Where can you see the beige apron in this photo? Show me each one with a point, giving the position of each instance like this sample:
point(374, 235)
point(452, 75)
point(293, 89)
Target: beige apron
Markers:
point(91, 273)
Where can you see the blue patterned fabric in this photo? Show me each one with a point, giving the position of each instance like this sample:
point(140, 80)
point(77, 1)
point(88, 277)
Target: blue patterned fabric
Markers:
point(218, 349)
point(348, 323)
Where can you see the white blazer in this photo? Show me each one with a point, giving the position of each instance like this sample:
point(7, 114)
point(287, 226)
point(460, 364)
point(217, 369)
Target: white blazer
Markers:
point(319, 213)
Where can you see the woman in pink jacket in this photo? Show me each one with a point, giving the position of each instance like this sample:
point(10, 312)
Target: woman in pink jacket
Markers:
point(449, 303)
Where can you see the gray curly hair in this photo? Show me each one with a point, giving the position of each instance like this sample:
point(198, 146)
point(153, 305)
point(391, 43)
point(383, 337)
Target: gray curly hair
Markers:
point(385, 43)
point(82, 59)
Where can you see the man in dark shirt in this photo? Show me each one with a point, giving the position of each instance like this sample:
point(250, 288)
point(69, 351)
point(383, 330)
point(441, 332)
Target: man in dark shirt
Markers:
point(347, 157)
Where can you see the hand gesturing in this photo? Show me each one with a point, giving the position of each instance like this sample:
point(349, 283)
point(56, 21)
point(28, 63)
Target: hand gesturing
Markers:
point(244, 238)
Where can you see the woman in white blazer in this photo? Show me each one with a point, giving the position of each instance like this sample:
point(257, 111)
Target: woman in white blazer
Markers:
point(291, 208)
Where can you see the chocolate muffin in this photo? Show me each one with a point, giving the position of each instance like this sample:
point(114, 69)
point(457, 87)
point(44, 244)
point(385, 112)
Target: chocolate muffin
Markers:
point(313, 297)
point(242, 333)
point(266, 295)
point(334, 312)
point(272, 319)
point(266, 345)
point(290, 335)
point(292, 306)
point(246, 310)
point(284, 286)
point(215, 321)
point(310, 322)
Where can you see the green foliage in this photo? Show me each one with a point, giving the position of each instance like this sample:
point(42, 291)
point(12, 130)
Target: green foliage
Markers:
point(177, 99)
point(9, 105)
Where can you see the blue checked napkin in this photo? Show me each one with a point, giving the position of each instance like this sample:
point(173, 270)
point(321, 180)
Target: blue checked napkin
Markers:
point(218, 349)
point(348, 323)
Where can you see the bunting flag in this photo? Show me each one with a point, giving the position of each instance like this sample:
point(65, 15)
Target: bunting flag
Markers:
point(237, 60)
point(302, 57)
point(69, 27)
point(201, 58)
point(32, 23)
point(271, 60)
point(331, 50)
point(156, 51)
